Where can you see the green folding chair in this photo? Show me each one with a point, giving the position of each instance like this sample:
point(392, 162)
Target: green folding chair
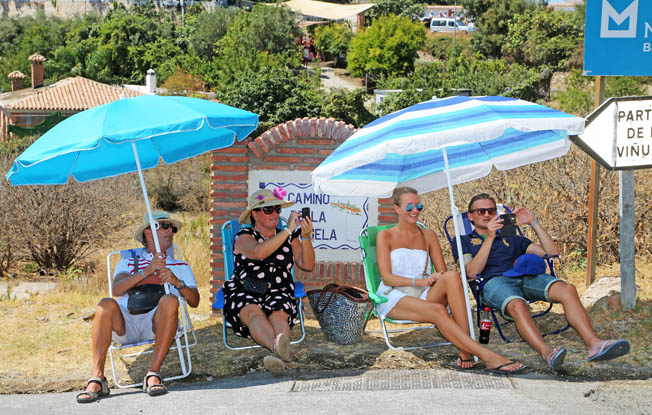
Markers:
point(367, 240)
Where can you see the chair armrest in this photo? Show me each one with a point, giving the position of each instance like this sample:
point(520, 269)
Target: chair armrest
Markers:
point(377, 299)
point(218, 304)
point(299, 289)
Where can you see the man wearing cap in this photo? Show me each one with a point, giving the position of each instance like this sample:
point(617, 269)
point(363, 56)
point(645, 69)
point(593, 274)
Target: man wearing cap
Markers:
point(119, 321)
point(517, 273)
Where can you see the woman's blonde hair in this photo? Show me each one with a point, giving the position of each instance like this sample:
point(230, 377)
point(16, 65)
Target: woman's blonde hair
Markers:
point(400, 191)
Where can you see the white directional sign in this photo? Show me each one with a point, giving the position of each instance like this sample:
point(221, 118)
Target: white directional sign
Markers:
point(618, 134)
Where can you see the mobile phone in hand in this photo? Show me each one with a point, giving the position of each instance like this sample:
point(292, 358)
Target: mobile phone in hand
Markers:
point(305, 212)
point(509, 224)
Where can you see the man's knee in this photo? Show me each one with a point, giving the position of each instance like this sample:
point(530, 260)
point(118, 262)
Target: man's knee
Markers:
point(517, 307)
point(107, 306)
point(563, 290)
point(169, 303)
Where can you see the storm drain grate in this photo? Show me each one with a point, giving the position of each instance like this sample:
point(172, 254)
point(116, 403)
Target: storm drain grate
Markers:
point(380, 380)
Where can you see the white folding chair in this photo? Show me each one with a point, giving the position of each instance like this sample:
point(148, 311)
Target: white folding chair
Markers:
point(185, 325)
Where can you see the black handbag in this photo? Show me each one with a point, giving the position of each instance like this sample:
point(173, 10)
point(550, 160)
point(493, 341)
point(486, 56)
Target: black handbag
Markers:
point(143, 298)
point(254, 286)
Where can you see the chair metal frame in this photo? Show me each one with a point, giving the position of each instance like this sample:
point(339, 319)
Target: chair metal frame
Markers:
point(477, 285)
point(185, 326)
point(229, 230)
point(372, 279)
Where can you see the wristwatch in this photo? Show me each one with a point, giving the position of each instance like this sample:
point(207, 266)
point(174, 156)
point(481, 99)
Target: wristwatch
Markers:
point(181, 286)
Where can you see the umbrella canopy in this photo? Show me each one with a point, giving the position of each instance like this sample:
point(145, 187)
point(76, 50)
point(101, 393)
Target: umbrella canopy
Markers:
point(97, 143)
point(442, 142)
point(405, 147)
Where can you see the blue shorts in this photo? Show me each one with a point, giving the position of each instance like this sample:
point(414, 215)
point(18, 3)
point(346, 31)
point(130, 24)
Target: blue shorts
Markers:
point(500, 290)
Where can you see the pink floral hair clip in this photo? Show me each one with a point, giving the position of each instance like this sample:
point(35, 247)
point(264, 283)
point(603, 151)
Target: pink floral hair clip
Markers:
point(280, 193)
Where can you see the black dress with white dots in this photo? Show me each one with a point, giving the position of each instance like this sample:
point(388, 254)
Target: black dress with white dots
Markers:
point(276, 269)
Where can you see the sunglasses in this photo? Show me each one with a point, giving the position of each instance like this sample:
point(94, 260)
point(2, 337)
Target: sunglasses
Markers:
point(484, 211)
point(410, 206)
point(268, 210)
point(166, 226)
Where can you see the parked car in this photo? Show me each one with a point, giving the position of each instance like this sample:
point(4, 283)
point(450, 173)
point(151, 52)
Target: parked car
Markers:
point(448, 24)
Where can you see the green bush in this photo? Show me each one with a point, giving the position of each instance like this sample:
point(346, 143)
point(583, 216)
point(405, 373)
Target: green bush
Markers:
point(441, 46)
point(347, 106)
point(333, 40)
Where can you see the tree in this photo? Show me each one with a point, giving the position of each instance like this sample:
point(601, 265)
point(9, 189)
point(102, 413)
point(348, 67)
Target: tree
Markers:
point(542, 37)
point(347, 106)
point(333, 40)
point(209, 28)
point(405, 8)
point(388, 47)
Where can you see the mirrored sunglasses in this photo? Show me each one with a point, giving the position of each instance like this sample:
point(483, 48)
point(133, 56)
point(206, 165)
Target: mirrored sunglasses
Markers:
point(268, 210)
point(410, 206)
point(484, 211)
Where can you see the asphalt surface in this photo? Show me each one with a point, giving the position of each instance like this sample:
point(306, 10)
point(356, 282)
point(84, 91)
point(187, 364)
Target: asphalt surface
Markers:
point(437, 391)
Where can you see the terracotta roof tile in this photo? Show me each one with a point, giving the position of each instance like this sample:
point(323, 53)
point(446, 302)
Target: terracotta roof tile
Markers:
point(71, 94)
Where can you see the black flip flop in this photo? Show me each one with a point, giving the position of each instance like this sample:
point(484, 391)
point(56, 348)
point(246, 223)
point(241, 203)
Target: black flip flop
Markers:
point(496, 370)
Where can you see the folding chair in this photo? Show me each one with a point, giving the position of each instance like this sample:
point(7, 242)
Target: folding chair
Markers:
point(372, 276)
point(185, 325)
point(229, 230)
point(477, 284)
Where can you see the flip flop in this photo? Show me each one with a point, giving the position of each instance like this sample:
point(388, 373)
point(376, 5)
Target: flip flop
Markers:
point(462, 361)
point(610, 351)
point(282, 347)
point(556, 358)
point(497, 370)
point(154, 389)
point(92, 395)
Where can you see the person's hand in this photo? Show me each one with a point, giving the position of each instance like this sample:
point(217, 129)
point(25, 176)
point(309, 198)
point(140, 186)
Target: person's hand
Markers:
point(493, 225)
point(157, 264)
point(293, 221)
point(306, 227)
point(165, 275)
point(524, 216)
point(433, 278)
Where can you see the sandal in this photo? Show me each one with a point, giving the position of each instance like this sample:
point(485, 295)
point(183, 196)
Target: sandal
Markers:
point(498, 370)
point(459, 363)
point(274, 365)
point(154, 389)
point(282, 347)
point(556, 358)
point(92, 395)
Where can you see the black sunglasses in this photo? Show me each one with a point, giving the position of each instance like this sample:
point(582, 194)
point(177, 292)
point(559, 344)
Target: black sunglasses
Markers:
point(410, 206)
point(268, 210)
point(166, 226)
point(483, 211)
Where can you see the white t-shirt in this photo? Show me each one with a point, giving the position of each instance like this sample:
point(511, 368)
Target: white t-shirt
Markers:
point(180, 268)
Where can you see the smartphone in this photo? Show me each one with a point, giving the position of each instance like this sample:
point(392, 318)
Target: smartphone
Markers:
point(509, 224)
point(305, 212)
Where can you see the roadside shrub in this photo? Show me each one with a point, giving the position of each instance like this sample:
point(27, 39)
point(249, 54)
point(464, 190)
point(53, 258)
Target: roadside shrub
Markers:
point(441, 46)
point(347, 106)
point(58, 226)
point(181, 186)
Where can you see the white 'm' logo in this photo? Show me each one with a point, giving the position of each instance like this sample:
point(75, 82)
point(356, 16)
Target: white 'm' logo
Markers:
point(608, 12)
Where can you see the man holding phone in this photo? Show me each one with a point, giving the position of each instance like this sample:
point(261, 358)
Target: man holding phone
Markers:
point(517, 273)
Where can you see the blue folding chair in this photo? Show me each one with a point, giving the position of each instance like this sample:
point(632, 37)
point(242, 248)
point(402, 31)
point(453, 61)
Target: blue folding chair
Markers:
point(477, 284)
point(185, 325)
point(229, 230)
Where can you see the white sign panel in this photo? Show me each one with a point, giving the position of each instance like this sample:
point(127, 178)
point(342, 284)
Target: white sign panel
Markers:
point(619, 133)
point(337, 220)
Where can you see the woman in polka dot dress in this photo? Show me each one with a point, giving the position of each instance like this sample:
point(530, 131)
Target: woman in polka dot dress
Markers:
point(263, 252)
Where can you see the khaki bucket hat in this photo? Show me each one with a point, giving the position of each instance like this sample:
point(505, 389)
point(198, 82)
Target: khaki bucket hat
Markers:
point(157, 215)
point(262, 198)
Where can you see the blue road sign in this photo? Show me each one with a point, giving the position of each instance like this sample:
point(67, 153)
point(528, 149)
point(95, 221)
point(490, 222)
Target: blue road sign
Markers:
point(618, 37)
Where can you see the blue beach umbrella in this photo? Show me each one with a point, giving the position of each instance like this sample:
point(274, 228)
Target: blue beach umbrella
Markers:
point(442, 142)
point(128, 135)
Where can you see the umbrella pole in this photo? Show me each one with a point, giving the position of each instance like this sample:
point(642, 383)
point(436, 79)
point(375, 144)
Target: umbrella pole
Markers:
point(458, 242)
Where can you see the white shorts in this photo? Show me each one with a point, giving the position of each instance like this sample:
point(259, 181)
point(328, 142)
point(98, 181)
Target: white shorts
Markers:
point(393, 297)
point(138, 327)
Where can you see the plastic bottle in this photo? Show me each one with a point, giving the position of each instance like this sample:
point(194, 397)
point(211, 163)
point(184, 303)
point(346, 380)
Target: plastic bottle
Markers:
point(485, 326)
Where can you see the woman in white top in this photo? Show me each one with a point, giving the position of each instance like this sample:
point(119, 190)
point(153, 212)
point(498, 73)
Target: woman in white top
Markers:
point(403, 253)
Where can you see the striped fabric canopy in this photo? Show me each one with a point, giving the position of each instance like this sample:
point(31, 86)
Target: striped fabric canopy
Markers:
point(405, 147)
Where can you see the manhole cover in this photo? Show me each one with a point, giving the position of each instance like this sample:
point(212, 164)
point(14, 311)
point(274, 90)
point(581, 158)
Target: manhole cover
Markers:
point(378, 380)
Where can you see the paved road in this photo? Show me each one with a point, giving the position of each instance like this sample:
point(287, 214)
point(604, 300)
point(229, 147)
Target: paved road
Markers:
point(373, 392)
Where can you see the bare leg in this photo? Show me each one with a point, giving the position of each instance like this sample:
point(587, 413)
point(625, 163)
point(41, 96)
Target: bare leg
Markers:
point(259, 326)
point(448, 291)
point(411, 308)
point(520, 312)
point(279, 321)
point(164, 326)
point(108, 318)
point(566, 294)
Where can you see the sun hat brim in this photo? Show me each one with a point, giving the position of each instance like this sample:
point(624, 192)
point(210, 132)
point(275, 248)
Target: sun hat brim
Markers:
point(158, 216)
point(245, 217)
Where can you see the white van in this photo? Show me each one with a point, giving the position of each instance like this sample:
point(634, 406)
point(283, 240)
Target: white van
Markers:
point(449, 24)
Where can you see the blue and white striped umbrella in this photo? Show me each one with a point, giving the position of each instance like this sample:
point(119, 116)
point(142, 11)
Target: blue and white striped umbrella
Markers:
point(406, 147)
point(443, 142)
